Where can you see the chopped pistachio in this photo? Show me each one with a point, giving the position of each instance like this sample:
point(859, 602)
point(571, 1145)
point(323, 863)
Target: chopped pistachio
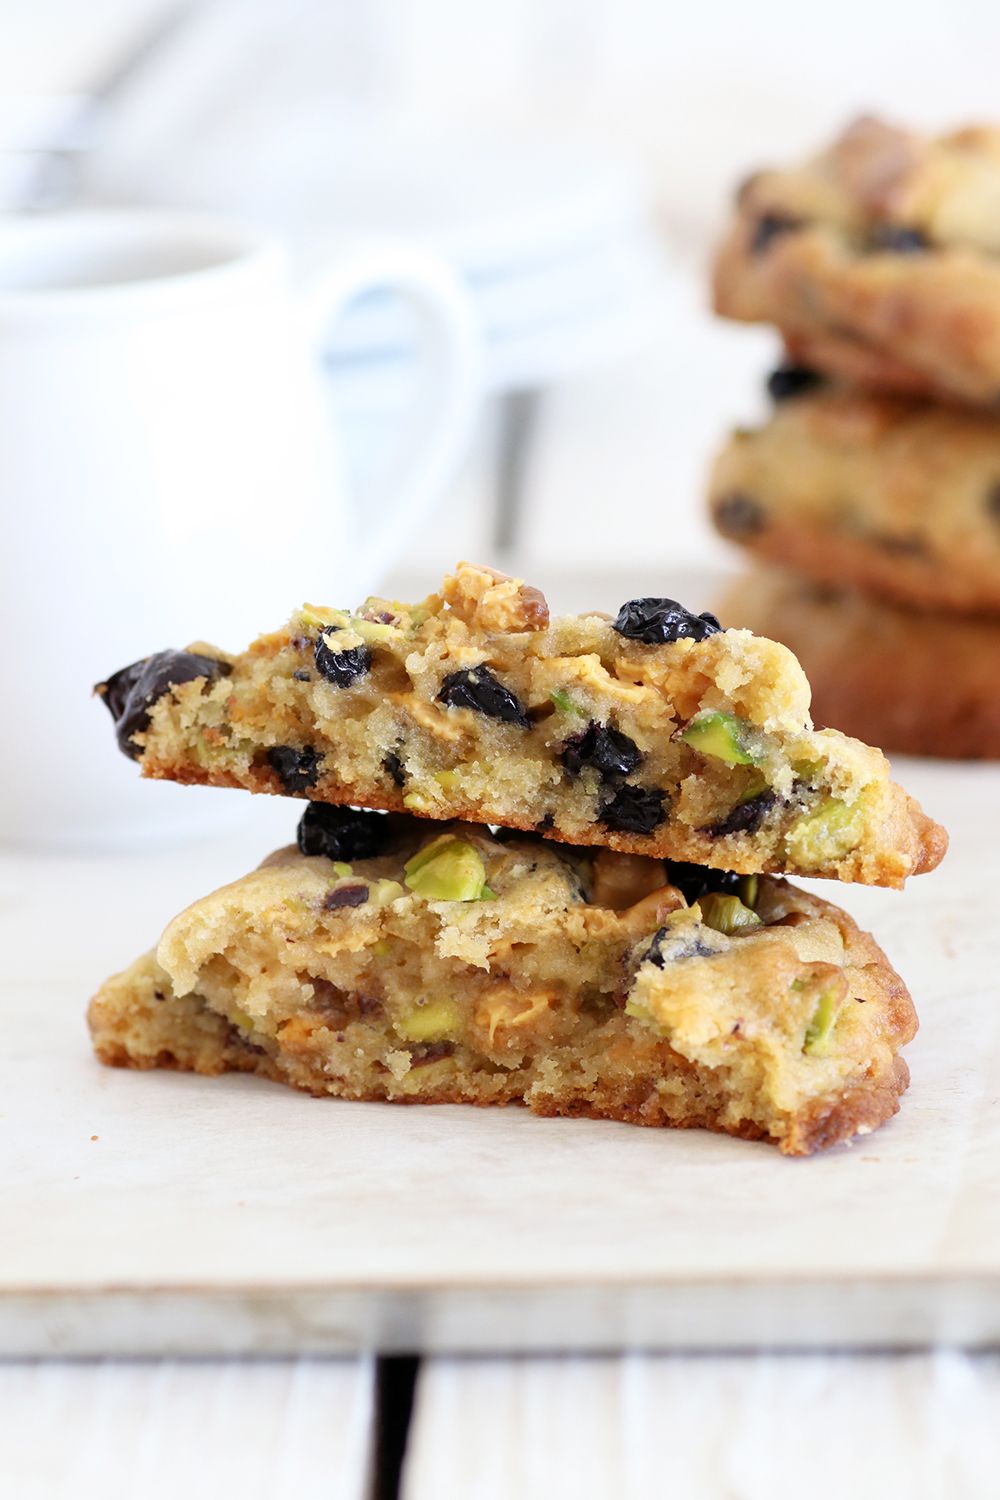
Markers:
point(316, 620)
point(339, 868)
point(727, 914)
point(486, 894)
point(241, 1019)
point(565, 704)
point(447, 780)
point(749, 889)
point(372, 632)
point(426, 854)
point(824, 1019)
point(384, 892)
point(723, 736)
point(418, 802)
point(448, 870)
point(828, 831)
point(434, 1021)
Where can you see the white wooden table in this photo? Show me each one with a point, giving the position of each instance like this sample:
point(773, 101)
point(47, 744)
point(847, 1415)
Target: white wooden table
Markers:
point(688, 1427)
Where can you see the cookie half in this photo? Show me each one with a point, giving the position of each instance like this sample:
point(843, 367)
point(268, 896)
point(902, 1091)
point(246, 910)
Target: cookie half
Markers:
point(877, 260)
point(895, 497)
point(653, 733)
point(921, 683)
point(453, 967)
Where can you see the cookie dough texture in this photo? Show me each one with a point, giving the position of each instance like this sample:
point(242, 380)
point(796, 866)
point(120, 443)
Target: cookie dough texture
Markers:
point(584, 984)
point(891, 496)
point(877, 259)
point(919, 683)
point(474, 704)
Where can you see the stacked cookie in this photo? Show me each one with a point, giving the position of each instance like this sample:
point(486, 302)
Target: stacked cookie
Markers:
point(872, 494)
point(538, 863)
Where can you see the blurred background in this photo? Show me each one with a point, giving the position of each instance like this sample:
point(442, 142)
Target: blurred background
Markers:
point(573, 158)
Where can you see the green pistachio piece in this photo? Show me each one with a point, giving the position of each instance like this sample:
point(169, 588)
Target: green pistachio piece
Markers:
point(433, 1022)
point(723, 736)
point(824, 1019)
point(384, 892)
point(447, 870)
point(241, 1019)
point(565, 704)
point(727, 914)
point(426, 854)
point(372, 632)
point(828, 831)
point(749, 890)
point(418, 802)
point(313, 619)
point(486, 894)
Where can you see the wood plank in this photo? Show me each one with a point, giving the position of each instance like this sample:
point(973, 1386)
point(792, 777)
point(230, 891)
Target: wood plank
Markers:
point(161, 1429)
point(760, 1427)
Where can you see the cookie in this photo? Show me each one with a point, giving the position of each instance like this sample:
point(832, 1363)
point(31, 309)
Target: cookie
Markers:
point(920, 683)
point(455, 967)
point(653, 733)
point(888, 495)
point(877, 260)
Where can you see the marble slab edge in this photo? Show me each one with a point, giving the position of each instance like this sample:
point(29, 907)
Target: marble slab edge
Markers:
point(891, 1312)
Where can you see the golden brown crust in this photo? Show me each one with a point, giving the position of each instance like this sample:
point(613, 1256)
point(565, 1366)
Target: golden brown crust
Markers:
point(877, 260)
point(921, 684)
point(918, 843)
point(894, 497)
point(819, 1125)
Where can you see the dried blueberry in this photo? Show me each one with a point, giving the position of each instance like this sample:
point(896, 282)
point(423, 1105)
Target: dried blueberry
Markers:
point(695, 881)
point(790, 380)
point(354, 894)
point(747, 816)
point(738, 516)
point(131, 692)
point(547, 823)
point(342, 832)
point(660, 621)
point(608, 750)
point(693, 948)
point(769, 227)
point(633, 809)
point(394, 768)
point(898, 239)
point(342, 668)
point(478, 689)
point(296, 768)
point(302, 675)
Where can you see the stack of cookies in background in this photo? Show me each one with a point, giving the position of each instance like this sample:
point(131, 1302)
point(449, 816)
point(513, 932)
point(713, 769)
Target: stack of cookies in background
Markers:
point(870, 498)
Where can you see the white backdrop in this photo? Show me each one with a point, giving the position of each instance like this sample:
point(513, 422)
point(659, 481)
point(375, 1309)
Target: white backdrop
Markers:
point(701, 93)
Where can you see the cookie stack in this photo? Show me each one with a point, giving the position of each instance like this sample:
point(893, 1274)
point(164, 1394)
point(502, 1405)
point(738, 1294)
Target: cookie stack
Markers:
point(870, 499)
point(537, 864)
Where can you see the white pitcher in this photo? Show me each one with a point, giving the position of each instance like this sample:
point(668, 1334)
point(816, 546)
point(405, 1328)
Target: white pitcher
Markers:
point(168, 470)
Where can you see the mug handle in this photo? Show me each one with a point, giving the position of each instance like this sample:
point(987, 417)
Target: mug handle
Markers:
point(447, 405)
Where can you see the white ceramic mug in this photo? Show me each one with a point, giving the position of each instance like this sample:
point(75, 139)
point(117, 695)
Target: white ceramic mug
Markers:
point(168, 471)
